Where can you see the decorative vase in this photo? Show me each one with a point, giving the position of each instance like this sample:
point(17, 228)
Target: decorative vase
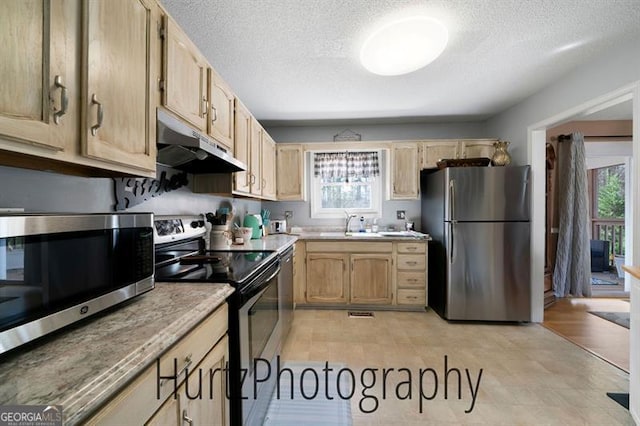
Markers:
point(501, 156)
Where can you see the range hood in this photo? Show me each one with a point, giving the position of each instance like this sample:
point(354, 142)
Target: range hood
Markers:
point(184, 148)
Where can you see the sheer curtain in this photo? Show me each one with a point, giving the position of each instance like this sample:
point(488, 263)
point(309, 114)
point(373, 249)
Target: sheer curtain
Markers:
point(572, 274)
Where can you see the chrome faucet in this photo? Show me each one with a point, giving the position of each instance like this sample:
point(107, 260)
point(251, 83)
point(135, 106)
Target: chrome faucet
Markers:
point(349, 217)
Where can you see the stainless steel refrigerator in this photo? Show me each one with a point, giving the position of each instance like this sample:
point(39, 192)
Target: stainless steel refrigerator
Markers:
point(479, 259)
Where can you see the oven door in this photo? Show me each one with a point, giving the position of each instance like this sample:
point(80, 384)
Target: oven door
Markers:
point(259, 346)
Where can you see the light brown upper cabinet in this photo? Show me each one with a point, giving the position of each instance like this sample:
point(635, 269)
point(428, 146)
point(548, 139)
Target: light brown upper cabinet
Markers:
point(242, 147)
point(268, 167)
point(119, 109)
point(255, 165)
point(221, 124)
point(185, 77)
point(37, 69)
point(477, 148)
point(434, 151)
point(404, 171)
point(79, 97)
point(289, 165)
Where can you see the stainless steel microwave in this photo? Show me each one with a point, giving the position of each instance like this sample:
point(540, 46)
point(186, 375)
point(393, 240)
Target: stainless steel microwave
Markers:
point(56, 269)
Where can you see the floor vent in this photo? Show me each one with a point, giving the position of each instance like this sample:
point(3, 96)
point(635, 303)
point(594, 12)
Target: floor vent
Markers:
point(360, 314)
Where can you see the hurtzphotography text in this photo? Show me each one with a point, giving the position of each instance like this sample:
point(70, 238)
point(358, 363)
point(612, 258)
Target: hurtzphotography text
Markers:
point(371, 386)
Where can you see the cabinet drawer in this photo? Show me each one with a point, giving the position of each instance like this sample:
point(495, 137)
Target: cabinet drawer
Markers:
point(412, 279)
point(412, 248)
point(136, 403)
point(349, 247)
point(412, 261)
point(412, 297)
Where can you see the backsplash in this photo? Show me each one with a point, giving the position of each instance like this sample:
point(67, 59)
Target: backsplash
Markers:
point(45, 192)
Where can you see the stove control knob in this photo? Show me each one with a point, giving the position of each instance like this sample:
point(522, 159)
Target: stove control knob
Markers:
point(196, 224)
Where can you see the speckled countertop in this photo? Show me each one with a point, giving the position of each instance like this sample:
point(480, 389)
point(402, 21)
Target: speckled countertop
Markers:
point(84, 365)
point(360, 237)
point(273, 242)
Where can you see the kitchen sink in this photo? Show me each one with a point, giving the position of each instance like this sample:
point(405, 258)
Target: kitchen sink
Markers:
point(398, 233)
point(363, 234)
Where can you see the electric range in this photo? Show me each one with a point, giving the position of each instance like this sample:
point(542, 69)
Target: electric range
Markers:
point(254, 311)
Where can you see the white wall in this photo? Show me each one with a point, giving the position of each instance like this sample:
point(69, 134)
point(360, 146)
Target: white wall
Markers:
point(524, 126)
point(370, 132)
point(44, 192)
point(379, 132)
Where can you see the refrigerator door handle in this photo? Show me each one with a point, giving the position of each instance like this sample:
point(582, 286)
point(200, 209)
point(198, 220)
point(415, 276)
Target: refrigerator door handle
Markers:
point(452, 197)
point(452, 238)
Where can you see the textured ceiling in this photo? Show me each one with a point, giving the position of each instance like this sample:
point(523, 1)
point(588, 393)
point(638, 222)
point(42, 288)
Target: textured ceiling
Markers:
point(297, 60)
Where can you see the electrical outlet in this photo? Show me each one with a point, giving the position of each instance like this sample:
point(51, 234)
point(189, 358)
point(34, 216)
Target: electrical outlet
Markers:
point(400, 214)
point(288, 214)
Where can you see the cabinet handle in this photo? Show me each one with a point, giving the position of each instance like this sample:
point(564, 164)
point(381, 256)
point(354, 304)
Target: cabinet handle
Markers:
point(64, 99)
point(253, 179)
point(411, 248)
point(186, 418)
point(215, 114)
point(412, 263)
point(264, 183)
point(188, 360)
point(100, 114)
point(205, 107)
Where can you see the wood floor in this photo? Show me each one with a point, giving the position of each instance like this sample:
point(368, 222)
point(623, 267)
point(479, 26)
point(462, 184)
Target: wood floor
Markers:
point(530, 375)
point(571, 319)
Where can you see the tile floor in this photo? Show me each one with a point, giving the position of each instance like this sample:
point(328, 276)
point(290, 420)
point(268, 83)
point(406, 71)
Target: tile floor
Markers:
point(529, 374)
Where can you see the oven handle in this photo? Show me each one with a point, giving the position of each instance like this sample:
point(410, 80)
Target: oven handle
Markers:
point(274, 274)
point(248, 290)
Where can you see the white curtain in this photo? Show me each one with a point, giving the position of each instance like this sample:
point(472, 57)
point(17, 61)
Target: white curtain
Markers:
point(572, 274)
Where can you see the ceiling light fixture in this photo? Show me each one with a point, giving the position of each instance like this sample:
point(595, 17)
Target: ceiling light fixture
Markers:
point(404, 45)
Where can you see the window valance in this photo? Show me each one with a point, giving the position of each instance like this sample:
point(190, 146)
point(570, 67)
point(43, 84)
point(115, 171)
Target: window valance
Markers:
point(346, 165)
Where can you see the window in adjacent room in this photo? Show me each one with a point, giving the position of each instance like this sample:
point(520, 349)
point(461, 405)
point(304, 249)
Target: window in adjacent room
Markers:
point(345, 180)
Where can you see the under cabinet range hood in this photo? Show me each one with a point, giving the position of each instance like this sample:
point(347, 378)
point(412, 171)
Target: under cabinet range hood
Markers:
point(184, 148)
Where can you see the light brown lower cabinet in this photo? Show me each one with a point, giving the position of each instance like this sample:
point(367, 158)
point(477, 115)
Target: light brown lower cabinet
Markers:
point(327, 278)
point(200, 399)
point(370, 279)
point(361, 273)
point(203, 402)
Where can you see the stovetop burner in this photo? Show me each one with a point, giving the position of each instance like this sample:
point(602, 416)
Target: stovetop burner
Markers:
point(232, 267)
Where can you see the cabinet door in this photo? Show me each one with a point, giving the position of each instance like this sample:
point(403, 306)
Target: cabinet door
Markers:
point(242, 150)
point(206, 403)
point(432, 152)
point(221, 112)
point(36, 47)
point(289, 160)
point(118, 117)
point(327, 278)
point(268, 167)
point(168, 414)
point(299, 275)
point(185, 74)
point(477, 148)
point(371, 279)
point(405, 175)
point(255, 155)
